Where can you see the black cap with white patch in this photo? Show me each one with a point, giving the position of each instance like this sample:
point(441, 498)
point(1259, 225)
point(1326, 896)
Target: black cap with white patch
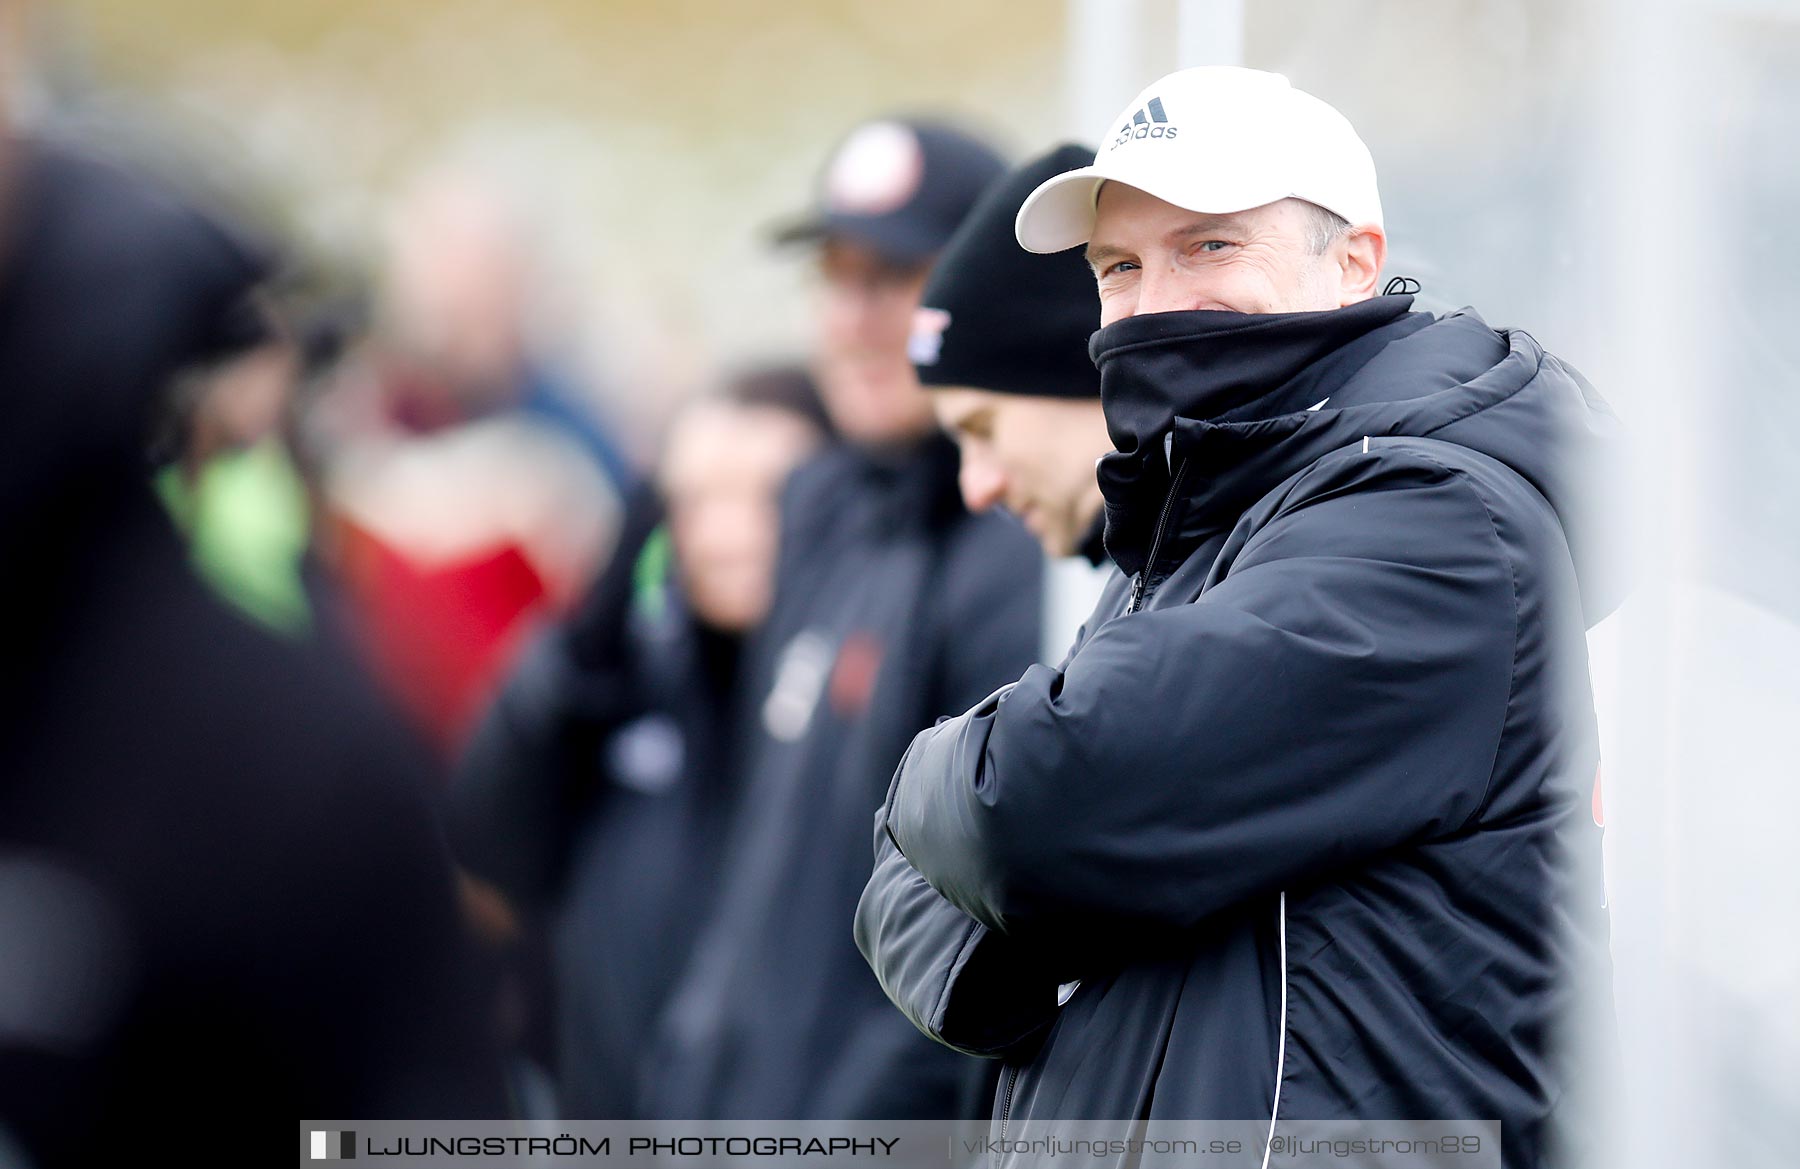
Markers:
point(899, 186)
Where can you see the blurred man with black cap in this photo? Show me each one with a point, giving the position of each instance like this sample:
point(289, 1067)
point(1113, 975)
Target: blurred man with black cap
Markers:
point(893, 193)
point(893, 606)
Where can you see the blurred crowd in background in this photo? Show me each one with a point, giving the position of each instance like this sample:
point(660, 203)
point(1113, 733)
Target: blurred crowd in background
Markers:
point(396, 402)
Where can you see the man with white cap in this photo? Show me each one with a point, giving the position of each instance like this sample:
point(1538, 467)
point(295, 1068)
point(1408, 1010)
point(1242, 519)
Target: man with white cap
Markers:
point(1302, 831)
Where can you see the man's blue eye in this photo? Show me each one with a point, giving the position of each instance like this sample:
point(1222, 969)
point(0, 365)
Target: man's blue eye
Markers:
point(1213, 245)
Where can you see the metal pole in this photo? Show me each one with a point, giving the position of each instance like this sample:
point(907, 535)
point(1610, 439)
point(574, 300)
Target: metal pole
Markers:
point(1209, 32)
point(1103, 61)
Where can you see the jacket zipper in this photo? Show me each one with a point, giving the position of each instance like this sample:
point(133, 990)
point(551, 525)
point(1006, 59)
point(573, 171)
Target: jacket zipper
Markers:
point(1281, 1046)
point(1012, 1078)
point(1162, 523)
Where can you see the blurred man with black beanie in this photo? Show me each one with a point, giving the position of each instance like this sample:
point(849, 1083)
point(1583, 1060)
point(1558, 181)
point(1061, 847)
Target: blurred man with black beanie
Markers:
point(1002, 343)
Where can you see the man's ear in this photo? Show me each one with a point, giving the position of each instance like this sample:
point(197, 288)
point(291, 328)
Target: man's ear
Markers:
point(1362, 252)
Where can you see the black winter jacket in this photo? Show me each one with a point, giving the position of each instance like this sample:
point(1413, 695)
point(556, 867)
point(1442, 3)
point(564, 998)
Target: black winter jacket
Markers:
point(1312, 827)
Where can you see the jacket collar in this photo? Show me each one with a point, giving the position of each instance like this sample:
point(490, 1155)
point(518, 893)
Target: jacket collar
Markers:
point(909, 484)
point(1093, 545)
point(1167, 380)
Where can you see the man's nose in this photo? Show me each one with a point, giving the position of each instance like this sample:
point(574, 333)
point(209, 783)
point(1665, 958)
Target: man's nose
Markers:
point(1162, 290)
point(982, 481)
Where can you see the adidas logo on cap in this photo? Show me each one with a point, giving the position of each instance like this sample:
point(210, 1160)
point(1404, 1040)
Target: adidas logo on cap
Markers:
point(1149, 121)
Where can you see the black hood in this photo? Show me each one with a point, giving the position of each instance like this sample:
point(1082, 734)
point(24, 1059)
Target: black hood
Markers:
point(109, 285)
point(1248, 400)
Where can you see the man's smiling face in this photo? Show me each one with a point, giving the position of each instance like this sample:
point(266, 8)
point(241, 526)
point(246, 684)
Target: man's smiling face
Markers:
point(1150, 256)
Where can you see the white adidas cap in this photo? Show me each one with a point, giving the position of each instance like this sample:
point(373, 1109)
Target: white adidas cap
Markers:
point(1214, 139)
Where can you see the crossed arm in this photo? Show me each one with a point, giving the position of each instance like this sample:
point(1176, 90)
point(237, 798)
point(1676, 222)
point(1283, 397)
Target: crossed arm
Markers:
point(1339, 693)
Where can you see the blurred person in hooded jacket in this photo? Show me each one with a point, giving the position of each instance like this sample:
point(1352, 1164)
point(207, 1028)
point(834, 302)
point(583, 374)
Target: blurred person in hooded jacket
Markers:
point(220, 886)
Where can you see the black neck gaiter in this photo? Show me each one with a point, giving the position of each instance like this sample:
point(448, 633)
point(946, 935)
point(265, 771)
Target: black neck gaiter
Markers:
point(1203, 365)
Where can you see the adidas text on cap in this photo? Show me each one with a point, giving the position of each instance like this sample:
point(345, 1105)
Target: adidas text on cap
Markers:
point(1215, 140)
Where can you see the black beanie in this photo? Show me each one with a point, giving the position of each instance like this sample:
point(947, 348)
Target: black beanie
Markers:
point(997, 317)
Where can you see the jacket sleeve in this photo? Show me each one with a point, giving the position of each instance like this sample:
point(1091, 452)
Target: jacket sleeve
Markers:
point(963, 984)
point(958, 981)
point(1339, 692)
